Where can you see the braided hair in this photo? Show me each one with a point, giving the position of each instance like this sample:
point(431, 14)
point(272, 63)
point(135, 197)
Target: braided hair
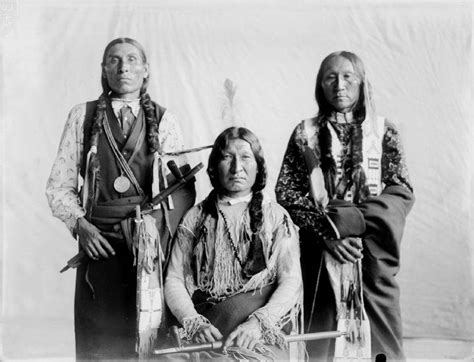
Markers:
point(145, 100)
point(255, 205)
point(363, 108)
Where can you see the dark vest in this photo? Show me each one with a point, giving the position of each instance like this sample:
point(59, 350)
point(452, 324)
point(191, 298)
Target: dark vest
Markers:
point(141, 162)
point(113, 207)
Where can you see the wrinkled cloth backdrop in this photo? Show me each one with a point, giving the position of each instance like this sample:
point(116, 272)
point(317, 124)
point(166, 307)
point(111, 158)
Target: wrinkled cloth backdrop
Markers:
point(418, 56)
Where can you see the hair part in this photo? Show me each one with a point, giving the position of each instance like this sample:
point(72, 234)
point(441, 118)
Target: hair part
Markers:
point(360, 108)
point(105, 84)
point(145, 101)
point(256, 259)
point(353, 173)
point(221, 143)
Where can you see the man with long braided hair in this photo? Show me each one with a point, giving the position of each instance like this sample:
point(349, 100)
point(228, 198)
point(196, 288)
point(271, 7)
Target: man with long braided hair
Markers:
point(117, 145)
point(234, 271)
point(344, 181)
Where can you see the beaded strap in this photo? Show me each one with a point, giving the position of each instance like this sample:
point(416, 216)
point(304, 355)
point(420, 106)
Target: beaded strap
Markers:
point(229, 236)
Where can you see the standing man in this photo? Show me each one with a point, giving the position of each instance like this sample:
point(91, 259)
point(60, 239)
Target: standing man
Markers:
point(117, 145)
point(345, 183)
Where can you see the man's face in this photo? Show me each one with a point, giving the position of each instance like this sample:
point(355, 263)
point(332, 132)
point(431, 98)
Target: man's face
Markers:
point(237, 169)
point(125, 70)
point(341, 86)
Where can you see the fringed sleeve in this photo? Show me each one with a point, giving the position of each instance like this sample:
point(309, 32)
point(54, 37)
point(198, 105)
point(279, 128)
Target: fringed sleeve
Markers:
point(191, 325)
point(285, 302)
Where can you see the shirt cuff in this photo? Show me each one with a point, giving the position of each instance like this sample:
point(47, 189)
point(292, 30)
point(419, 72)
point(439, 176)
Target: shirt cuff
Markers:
point(191, 325)
point(271, 334)
point(71, 221)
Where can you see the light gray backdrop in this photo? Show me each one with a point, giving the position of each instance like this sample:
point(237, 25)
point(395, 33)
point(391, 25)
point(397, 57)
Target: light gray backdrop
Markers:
point(418, 57)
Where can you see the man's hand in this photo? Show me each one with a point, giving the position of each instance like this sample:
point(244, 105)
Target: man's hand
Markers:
point(206, 334)
point(246, 335)
point(93, 243)
point(346, 250)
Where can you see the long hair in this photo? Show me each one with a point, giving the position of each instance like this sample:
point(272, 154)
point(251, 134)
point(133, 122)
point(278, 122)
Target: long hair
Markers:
point(100, 114)
point(364, 104)
point(221, 144)
point(353, 172)
point(141, 50)
point(256, 260)
point(145, 100)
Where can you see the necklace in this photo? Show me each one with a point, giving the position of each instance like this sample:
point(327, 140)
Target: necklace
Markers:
point(231, 241)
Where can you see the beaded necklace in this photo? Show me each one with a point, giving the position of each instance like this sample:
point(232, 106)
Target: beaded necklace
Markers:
point(231, 240)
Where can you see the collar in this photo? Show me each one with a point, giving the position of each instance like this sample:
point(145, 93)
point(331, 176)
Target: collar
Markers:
point(234, 200)
point(118, 103)
point(342, 118)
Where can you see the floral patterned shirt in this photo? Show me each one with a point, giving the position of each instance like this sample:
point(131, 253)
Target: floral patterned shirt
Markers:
point(292, 188)
point(62, 189)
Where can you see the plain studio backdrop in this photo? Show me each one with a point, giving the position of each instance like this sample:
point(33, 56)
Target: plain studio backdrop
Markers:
point(418, 58)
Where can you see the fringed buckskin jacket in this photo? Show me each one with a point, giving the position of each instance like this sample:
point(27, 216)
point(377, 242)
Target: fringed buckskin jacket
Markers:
point(203, 261)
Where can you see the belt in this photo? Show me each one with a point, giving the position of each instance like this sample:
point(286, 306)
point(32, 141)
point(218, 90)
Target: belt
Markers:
point(107, 214)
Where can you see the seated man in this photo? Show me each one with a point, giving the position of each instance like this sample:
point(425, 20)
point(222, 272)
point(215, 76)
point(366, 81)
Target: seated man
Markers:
point(234, 272)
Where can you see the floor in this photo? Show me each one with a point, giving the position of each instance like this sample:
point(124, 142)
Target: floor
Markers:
point(40, 340)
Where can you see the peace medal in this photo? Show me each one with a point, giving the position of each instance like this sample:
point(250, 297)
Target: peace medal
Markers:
point(121, 184)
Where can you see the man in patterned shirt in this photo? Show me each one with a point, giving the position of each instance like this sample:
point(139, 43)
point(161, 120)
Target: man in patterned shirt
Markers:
point(344, 181)
point(117, 145)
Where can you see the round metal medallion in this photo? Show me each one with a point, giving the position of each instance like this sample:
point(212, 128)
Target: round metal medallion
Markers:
point(121, 184)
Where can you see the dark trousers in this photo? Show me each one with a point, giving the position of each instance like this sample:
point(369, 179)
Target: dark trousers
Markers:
point(104, 307)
